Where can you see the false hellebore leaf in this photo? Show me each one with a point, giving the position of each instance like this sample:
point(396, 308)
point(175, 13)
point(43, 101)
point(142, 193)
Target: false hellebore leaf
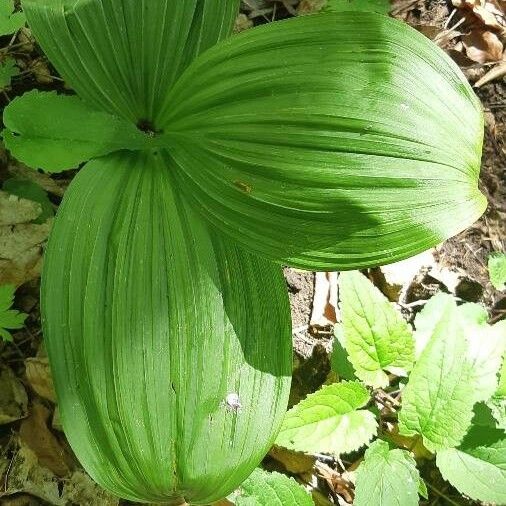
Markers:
point(362, 149)
point(387, 477)
point(271, 489)
point(329, 421)
point(152, 325)
point(125, 55)
point(376, 336)
point(58, 132)
point(477, 468)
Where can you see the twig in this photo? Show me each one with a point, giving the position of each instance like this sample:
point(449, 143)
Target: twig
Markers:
point(442, 495)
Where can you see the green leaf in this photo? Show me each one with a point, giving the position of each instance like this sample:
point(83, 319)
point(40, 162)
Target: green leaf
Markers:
point(478, 467)
point(377, 338)
point(9, 318)
point(57, 132)
point(124, 55)
point(386, 478)
point(8, 70)
point(271, 489)
point(347, 154)
point(339, 360)
point(31, 191)
point(329, 421)
point(497, 270)
point(152, 322)
point(379, 6)
point(10, 21)
point(438, 400)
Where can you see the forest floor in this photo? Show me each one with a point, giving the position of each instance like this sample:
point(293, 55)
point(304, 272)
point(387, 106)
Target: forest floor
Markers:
point(36, 463)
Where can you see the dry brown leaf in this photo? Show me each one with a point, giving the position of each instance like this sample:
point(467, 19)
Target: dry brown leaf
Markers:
point(39, 376)
point(494, 73)
point(13, 398)
point(81, 489)
point(20, 240)
point(293, 462)
point(310, 7)
point(490, 13)
point(324, 310)
point(35, 433)
point(336, 482)
point(483, 46)
point(43, 180)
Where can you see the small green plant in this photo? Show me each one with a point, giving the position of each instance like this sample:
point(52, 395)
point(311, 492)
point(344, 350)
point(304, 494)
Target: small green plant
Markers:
point(497, 270)
point(450, 375)
point(333, 141)
point(10, 319)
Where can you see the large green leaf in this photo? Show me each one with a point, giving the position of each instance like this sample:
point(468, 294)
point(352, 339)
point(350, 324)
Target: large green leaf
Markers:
point(57, 132)
point(329, 421)
point(376, 336)
point(170, 348)
point(124, 55)
point(478, 467)
point(387, 478)
point(439, 397)
point(271, 489)
point(337, 140)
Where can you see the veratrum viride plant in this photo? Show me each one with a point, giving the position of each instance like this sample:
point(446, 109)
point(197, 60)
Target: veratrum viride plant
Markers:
point(332, 141)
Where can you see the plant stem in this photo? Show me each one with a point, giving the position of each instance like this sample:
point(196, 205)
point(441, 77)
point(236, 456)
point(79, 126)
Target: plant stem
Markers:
point(441, 494)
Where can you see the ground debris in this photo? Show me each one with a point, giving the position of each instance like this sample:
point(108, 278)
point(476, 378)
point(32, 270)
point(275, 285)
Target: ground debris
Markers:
point(13, 398)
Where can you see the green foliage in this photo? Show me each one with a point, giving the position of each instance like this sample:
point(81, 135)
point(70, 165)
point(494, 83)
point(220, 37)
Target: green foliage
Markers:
point(387, 478)
point(497, 270)
point(271, 489)
point(329, 421)
point(57, 132)
point(10, 21)
point(10, 319)
point(31, 191)
point(477, 468)
point(379, 6)
point(376, 336)
point(8, 70)
point(339, 360)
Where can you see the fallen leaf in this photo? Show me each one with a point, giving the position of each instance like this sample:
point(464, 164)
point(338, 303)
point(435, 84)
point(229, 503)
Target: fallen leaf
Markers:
point(20, 240)
point(483, 46)
point(81, 489)
point(293, 462)
point(324, 311)
point(13, 398)
point(489, 12)
point(35, 433)
point(39, 376)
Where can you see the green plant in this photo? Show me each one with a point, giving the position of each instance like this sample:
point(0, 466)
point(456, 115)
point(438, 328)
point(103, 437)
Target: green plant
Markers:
point(166, 324)
point(452, 404)
point(10, 319)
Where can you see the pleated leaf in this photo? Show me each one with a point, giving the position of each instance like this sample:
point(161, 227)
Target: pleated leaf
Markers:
point(387, 478)
point(124, 55)
point(337, 140)
point(170, 348)
point(58, 132)
point(478, 467)
point(329, 421)
point(376, 336)
point(271, 489)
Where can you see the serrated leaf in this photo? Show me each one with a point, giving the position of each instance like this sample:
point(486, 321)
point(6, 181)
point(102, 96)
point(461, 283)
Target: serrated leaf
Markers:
point(478, 467)
point(339, 360)
point(57, 132)
point(438, 400)
point(10, 21)
point(379, 6)
point(376, 336)
point(10, 319)
point(8, 70)
point(361, 117)
point(329, 421)
point(387, 478)
point(166, 321)
point(124, 55)
point(497, 270)
point(271, 489)
point(31, 191)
